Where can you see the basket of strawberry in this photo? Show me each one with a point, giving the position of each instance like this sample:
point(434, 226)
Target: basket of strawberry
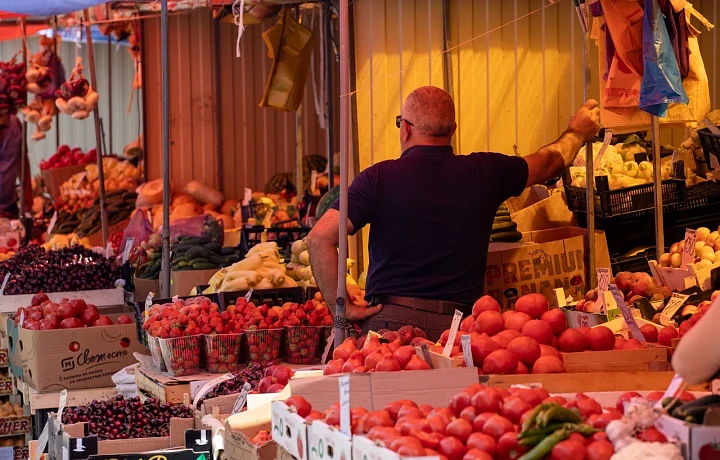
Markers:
point(263, 330)
point(304, 330)
point(223, 344)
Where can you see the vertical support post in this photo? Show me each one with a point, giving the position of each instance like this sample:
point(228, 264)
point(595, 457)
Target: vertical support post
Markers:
point(98, 136)
point(218, 109)
point(657, 178)
point(57, 111)
point(165, 267)
point(344, 128)
point(299, 179)
point(109, 150)
point(329, 93)
point(589, 173)
point(23, 147)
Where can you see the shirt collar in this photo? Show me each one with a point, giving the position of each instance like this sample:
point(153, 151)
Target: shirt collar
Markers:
point(428, 150)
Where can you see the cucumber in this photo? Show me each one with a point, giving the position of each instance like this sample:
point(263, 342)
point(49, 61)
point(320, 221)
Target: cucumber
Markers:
point(198, 260)
point(231, 259)
point(502, 219)
point(196, 252)
point(216, 259)
point(213, 247)
point(500, 227)
point(183, 264)
point(502, 213)
point(507, 237)
point(204, 266)
point(192, 240)
point(228, 251)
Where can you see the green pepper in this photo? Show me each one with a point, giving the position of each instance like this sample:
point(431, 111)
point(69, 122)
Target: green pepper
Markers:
point(540, 431)
point(530, 441)
point(533, 416)
point(546, 445)
point(558, 414)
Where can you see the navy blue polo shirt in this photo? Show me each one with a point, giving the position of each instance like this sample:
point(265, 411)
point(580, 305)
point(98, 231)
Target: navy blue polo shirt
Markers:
point(430, 214)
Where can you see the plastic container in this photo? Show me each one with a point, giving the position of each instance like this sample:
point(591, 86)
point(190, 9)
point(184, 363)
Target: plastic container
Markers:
point(284, 237)
point(156, 352)
point(710, 144)
point(302, 343)
point(262, 345)
point(182, 355)
point(222, 352)
point(264, 296)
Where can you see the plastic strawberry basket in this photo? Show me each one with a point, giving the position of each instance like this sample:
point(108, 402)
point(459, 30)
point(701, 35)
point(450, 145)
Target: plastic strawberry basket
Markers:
point(262, 345)
point(182, 355)
point(142, 335)
point(156, 352)
point(302, 343)
point(265, 296)
point(222, 352)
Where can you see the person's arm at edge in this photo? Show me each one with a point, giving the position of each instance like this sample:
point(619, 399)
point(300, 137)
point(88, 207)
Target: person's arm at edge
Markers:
point(549, 162)
point(322, 244)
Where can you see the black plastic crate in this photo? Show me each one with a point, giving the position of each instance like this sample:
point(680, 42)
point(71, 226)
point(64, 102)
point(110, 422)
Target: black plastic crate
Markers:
point(634, 264)
point(624, 232)
point(140, 309)
point(710, 144)
point(274, 297)
point(625, 200)
point(249, 211)
point(284, 237)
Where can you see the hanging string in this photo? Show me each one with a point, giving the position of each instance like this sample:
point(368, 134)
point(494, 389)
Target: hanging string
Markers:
point(238, 9)
point(470, 40)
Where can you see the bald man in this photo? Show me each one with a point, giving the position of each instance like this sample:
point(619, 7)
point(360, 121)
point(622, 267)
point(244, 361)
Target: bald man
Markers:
point(431, 213)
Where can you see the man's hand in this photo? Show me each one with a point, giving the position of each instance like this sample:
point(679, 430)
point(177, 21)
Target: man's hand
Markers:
point(357, 308)
point(586, 121)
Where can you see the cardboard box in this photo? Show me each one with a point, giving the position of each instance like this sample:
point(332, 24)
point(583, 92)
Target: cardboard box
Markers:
point(549, 213)
point(143, 287)
point(239, 447)
point(182, 282)
point(73, 358)
point(54, 178)
point(125, 446)
point(325, 441)
point(545, 260)
point(578, 319)
point(289, 430)
point(679, 279)
point(97, 297)
point(528, 197)
point(700, 441)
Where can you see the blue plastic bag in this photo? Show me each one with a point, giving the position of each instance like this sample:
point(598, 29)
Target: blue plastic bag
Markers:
point(46, 7)
point(661, 83)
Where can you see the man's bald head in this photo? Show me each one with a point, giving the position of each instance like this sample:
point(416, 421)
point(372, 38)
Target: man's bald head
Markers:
point(431, 110)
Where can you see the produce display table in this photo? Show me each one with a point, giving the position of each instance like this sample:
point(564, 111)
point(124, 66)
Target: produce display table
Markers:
point(37, 401)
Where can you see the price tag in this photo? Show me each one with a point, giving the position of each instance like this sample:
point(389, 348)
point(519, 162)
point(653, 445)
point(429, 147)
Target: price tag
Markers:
point(175, 298)
point(248, 295)
point(149, 217)
point(603, 277)
point(209, 386)
point(81, 178)
point(22, 317)
point(374, 334)
point(457, 319)
point(674, 304)
point(109, 250)
point(247, 196)
point(467, 350)
point(241, 400)
point(5, 282)
point(560, 297)
point(51, 225)
point(42, 441)
point(313, 180)
point(671, 389)
point(688, 254)
point(597, 162)
point(426, 354)
point(148, 302)
point(128, 247)
point(627, 315)
point(61, 405)
point(345, 426)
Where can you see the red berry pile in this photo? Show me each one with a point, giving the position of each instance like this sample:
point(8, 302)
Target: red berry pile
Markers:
point(65, 156)
point(127, 418)
point(184, 318)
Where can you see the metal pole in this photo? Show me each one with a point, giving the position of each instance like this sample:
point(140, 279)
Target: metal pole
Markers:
point(329, 93)
point(165, 267)
point(218, 109)
point(23, 148)
point(299, 177)
point(590, 175)
point(344, 127)
point(109, 150)
point(657, 177)
point(98, 136)
point(57, 57)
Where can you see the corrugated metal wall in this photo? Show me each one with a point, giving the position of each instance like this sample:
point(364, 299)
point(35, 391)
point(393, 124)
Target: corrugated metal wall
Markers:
point(126, 126)
point(256, 142)
point(516, 69)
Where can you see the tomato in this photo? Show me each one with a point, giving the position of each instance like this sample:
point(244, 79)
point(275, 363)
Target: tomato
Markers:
point(376, 418)
point(531, 396)
point(476, 454)
point(468, 414)
point(410, 425)
point(508, 447)
point(487, 400)
point(555, 399)
point(408, 446)
point(710, 452)
point(437, 423)
point(577, 437)
point(385, 434)
point(459, 402)
point(480, 420)
point(452, 448)
point(514, 407)
point(627, 396)
point(601, 450)
point(497, 425)
point(300, 404)
point(409, 411)
point(588, 407)
point(482, 442)
point(568, 450)
point(599, 436)
point(652, 435)
point(460, 429)
point(427, 439)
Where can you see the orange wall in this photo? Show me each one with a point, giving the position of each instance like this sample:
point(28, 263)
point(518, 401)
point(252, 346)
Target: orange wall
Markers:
point(256, 142)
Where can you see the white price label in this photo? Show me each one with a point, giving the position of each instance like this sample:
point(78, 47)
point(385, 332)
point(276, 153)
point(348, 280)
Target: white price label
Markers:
point(627, 314)
point(345, 427)
point(467, 350)
point(603, 278)
point(51, 225)
point(148, 302)
point(248, 295)
point(109, 250)
point(688, 254)
point(330, 343)
point(674, 304)
point(241, 400)
point(457, 319)
point(128, 247)
point(61, 405)
point(22, 317)
point(149, 217)
point(560, 297)
point(5, 282)
point(209, 386)
point(247, 196)
point(42, 441)
point(175, 298)
point(313, 180)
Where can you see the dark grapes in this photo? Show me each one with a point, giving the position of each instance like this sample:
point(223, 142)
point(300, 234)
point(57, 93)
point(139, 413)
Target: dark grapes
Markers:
point(252, 374)
point(126, 418)
point(75, 268)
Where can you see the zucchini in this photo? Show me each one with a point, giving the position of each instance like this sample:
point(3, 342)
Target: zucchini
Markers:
point(502, 213)
point(213, 247)
point(183, 264)
point(228, 251)
point(502, 219)
point(196, 252)
point(204, 266)
point(500, 227)
point(198, 260)
point(191, 240)
point(508, 237)
point(231, 259)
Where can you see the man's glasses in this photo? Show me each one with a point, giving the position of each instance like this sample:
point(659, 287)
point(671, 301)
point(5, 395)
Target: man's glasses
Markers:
point(399, 119)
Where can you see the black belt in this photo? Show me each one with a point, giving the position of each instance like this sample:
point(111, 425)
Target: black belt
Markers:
point(441, 307)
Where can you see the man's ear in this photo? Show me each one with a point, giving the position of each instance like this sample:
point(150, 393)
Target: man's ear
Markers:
point(407, 131)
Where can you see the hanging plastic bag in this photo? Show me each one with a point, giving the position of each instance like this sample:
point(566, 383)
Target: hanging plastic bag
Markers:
point(290, 47)
point(661, 83)
point(205, 227)
point(138, 228)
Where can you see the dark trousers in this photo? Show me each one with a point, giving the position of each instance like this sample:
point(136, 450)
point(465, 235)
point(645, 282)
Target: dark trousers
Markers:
point(393, 317)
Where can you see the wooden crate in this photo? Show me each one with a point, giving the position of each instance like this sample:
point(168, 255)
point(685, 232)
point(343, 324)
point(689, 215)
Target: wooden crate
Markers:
point(652, 359)
point(168, 392)
point(590, 381)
